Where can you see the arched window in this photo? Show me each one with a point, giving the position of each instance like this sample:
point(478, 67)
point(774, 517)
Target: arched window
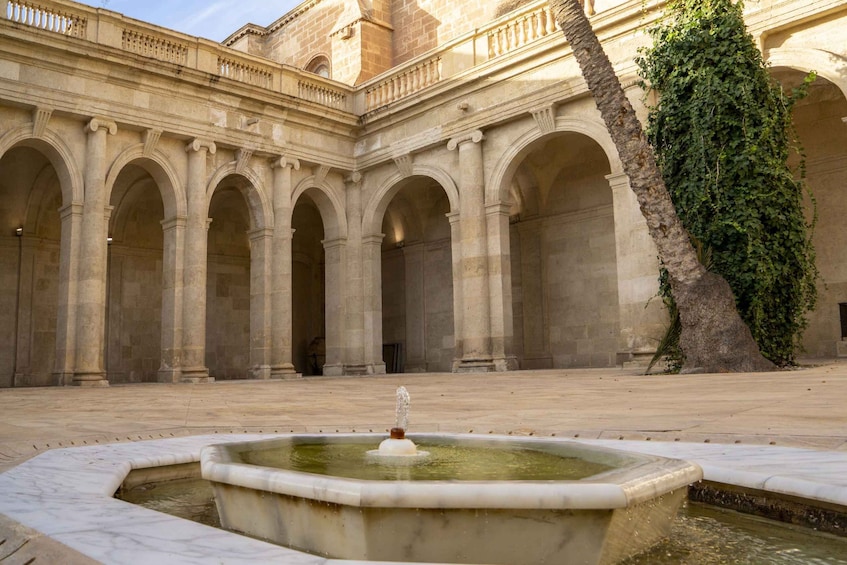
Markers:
point(319, 66)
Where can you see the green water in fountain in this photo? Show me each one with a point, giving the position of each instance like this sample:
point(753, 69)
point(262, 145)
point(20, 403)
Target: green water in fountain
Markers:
point(444, 463)
point(701, 535)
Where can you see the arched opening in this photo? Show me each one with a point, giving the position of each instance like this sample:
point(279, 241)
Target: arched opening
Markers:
point(228, 283)
point(134, 280)
point(564, 268)
point(308, 275)
point(818, 120)
point(320, 66)
point(417, 279)
point(30, 234)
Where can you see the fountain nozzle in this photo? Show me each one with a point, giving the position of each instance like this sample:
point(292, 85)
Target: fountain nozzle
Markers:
point(398, 433)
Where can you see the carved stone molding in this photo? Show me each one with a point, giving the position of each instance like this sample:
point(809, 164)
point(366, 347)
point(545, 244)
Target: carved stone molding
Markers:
point(320, 172)
point(40, 117)
point(242, 158)
point(354, 177)
point(102, 123)
point(283, 161)
point(151, 140)
point(197, 144)
point(475, 136)
point(545, 118)
point(405, 164)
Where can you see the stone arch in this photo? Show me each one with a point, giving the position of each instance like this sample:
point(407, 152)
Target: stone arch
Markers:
point(57, 152)
point(332, 211)
point(827, 65)
point(254, 191)
point(158, 166)
point(499, 184)
point(376, 206)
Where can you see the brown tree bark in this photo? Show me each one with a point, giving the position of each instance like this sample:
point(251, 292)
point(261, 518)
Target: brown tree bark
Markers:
point(714, 338)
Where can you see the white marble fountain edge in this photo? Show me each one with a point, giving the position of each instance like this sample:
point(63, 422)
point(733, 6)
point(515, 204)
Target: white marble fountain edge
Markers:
point(66, 494)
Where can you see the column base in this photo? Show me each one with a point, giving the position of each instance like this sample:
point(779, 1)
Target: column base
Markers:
point(196, 375)
point(168, 375)
point(86, 379)
point(333, 370)
point(285, 372)
point(503, 364)
point(260, 372)
point(359, 370)
point(474, 366)
point(63, 378)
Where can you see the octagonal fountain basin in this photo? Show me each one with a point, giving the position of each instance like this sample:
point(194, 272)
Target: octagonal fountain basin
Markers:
point(473, 499)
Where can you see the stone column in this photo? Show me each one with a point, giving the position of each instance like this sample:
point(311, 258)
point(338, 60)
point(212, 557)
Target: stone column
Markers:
point(71, 216)
point(638, 274)
point(260, 303)
point(91, 296)
point(456, 255)
point(413, 258)
point(173, 256)
point(194, 276)
point(282, 366)
point(335, 293)
point(476, 322)
point(500, 287)
point(354, 311)
point(372, 281)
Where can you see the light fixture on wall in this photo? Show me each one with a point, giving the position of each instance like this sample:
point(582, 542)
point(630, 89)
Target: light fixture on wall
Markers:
point(109, 240)
point(19, 232)
point(400, 244)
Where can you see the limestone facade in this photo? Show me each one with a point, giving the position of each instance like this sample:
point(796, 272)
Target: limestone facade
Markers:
point(398, 185)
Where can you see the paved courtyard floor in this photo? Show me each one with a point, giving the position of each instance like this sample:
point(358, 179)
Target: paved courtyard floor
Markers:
point(762, 416)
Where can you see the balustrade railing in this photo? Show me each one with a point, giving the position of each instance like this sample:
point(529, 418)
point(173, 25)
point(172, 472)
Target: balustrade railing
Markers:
point(154, 47)
point(520, 31)
point(405, 83)
point(321, 94)
point(513, 31)
point(46, 18)
point(245, 72)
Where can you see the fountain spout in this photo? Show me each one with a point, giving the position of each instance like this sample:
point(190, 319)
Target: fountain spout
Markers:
point(397, 445)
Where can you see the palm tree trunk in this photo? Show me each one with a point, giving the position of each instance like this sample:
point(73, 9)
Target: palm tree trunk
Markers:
point(714, 338)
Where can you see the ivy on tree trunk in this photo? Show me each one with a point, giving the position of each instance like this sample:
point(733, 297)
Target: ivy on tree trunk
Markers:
point(714, 338)
point(722, 132)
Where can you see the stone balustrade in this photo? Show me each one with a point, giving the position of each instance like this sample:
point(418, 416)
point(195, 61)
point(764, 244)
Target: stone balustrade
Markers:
point(46, 16)
point(513, 31)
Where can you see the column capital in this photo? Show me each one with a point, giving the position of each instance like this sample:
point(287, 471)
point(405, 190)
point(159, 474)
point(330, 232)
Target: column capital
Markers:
point(72, 209)
point(175, 222)
point(197, 144)
point(282, 162)
point(334, 243)
point(355, 177)
point(260, 233)
point(96, 124)
point(374, 239)
point(497, 209)
point(475, 136)
point(618, 180)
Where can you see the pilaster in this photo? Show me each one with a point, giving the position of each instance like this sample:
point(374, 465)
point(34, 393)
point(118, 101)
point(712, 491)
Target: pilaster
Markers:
point(500, 287)
point(334, 261)
point(173, 256)
point(260, 302)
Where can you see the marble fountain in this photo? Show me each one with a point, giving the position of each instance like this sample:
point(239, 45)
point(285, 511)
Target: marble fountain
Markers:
point(308, 493)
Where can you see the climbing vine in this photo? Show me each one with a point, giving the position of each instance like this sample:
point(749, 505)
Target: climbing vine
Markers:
point(723, 134)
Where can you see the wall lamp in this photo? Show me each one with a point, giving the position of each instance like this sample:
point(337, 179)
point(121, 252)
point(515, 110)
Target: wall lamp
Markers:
point(19, 232)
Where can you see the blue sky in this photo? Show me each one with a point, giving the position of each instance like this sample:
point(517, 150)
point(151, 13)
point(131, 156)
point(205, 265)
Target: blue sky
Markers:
point(212, 19)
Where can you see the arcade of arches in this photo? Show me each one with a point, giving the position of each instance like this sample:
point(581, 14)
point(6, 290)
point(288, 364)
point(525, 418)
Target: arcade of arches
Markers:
point(158, 226)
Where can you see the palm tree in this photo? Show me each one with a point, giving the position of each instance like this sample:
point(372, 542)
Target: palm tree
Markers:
point(714, 338)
